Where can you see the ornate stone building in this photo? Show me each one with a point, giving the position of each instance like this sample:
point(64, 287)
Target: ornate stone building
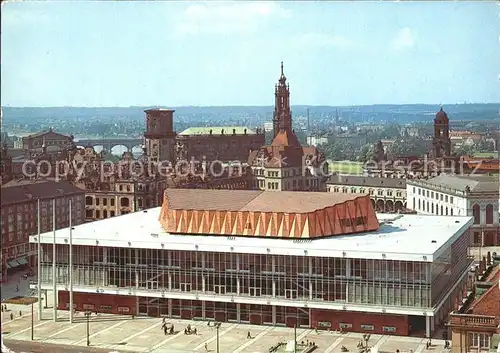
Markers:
point(285, 164)
point(222, 143)
point(53, 141)
point(387, 195)
point(475, 326)
point(461, 195)
point(438, 161)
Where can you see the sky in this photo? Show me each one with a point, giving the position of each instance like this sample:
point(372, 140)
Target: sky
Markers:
point(188, 53)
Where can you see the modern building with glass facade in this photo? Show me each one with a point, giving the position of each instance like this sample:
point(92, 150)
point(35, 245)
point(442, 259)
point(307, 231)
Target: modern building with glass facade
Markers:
point(241, 258)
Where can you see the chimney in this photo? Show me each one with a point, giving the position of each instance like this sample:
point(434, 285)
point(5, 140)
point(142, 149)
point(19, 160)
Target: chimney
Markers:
point(481, 268)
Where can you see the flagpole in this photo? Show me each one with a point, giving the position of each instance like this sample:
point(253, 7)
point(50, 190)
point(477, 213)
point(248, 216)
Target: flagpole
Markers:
point(54, 258)
point(39, 264)
point(71, 311)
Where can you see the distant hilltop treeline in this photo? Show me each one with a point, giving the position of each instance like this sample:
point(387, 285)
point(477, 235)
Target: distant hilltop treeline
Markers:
point(377, 112)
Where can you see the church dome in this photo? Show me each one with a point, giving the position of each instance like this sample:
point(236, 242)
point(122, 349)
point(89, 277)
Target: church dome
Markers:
point(441, 115)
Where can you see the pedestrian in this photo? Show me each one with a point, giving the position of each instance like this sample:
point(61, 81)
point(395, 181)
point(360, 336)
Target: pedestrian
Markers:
point(11, 316)
point(206, 347)
point(249, 335)
point(165, 330)
point(17, 288)
point(20, 313)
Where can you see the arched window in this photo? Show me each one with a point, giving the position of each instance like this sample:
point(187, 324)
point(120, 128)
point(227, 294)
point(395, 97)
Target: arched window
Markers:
point(432, 208)
point(447, 210)
point(451, 211)
point(476, 213)
point(489, 214)
point(442, 213)
point(419, 204)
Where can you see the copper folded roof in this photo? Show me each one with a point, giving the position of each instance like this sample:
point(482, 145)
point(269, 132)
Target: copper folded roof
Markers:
point(253, 200)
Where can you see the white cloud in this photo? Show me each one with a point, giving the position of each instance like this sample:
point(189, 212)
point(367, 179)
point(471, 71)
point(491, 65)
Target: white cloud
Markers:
point(228, 18)
point(322, 40)
point(404, 39)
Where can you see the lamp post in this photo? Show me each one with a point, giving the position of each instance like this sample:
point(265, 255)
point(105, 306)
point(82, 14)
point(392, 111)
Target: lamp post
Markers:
point(32, 323)
point(295, 338)
point(218, 325)
point(87, 315)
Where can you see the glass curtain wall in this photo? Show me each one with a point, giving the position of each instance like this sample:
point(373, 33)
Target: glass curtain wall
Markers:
point(297, 278)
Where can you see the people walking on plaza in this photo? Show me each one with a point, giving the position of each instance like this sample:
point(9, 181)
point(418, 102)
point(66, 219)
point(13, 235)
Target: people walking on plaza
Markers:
point(11, 316)
point(165, 330)
point(249, 335)
point(206, 347)
point(20, 313)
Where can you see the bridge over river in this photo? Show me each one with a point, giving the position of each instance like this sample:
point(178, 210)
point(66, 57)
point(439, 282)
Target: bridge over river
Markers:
point(109, 144)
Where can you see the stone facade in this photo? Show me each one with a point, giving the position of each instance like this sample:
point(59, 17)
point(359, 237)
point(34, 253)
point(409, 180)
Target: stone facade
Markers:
point(285, 164)
point(475, 196)
point(223, 143)
point(387, 195)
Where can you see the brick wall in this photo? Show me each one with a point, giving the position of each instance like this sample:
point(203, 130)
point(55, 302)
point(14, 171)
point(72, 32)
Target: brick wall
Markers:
point(103, 303)
point(400, 322)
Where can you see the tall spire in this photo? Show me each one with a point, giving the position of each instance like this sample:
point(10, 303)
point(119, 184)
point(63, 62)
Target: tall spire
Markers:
point(282, 119)
point(282, 79)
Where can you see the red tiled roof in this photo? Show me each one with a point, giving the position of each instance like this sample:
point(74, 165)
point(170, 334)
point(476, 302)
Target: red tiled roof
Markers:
point(15, 191)
point(489, 302)
point(253, 200)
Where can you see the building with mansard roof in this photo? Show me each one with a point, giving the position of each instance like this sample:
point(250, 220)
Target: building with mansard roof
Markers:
point(285, 164)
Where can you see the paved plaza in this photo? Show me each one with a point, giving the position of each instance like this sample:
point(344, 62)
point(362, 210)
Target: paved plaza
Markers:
point(141, 334)
point(124, 333)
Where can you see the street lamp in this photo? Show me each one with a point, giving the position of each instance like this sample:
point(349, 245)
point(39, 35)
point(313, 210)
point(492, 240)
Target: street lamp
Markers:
point(217, 327)
point(295, 338)
point(32, 323)
point(87, 315)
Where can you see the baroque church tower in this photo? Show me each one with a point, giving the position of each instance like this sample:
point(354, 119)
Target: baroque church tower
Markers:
point(441, 143)
point(282, 117)
point(286, 165)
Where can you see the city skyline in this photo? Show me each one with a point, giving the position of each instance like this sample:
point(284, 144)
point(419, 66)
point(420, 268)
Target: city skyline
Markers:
point(228, 53)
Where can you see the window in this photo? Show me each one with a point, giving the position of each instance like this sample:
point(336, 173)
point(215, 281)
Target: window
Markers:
point(112, 202)
point(477, 238)
point(123, 309)
point(476, 213)
point(489, 214)
point(388, 329)
point(479, 340)
point(451, 199)
point(367, 327)
point(344, 325)
point(88, 307)
point(106, 307)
